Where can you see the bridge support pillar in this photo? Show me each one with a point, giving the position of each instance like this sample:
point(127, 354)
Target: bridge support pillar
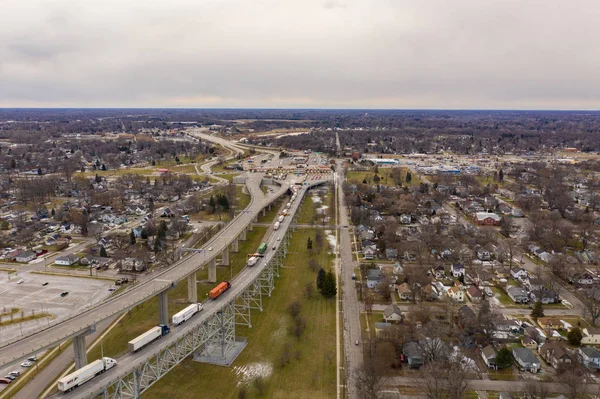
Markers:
point(225, 257)
point(235, 245)
point(163, 308)
point(264, 212)
point(251, 226)
point(243, 235)
point(212, 271)
point(79, 348)
point(192, 288)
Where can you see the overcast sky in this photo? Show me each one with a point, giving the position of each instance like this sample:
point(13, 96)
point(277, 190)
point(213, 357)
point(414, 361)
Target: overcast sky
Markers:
point(481, 54)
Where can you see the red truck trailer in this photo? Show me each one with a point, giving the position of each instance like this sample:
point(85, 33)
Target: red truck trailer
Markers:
point(219, 289)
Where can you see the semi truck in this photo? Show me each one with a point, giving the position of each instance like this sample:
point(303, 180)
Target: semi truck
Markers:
point(252, 261)
point(219, 290)
point(276, 226)
point(86, 373)
point(280, 218)
point(186, 313)
point(148, 337)
point(262, 248)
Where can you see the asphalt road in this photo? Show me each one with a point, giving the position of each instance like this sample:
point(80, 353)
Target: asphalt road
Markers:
point(351, 307)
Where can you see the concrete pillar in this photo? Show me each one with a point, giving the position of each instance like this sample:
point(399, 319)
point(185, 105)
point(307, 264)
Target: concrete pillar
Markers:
point(250, 226)
point(163, 308)
point(235, 245)
point(192, 288)
point(79, 348)
point(264, 212)
point(212, 271)
point(225, 257)
point(270, 205)
point(243, 235)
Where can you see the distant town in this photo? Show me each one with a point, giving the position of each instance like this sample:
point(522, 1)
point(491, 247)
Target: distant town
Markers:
point(296, 253)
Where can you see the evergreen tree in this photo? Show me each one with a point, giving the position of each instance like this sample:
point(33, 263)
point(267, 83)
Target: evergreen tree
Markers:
point(574, 336)
point(103, 252)
point(320, 279)
point(212, 204)
point(13, 164)
point(309, 244)
point(329, 289)
point(40, 171)
point(52, 212)
point(153, 162)
point(103, 167)
point(376, 179)
point(538, 310)
point(177, 159)
point(144, 234)
point(98, 178)
point(408, 177)
point(504, 358)
point(132, 237)
point(500, 175)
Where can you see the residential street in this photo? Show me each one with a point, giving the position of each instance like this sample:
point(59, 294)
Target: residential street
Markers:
point(351, 309)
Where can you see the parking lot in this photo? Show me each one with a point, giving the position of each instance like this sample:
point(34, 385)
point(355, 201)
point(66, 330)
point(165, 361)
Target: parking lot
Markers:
point(33, 297)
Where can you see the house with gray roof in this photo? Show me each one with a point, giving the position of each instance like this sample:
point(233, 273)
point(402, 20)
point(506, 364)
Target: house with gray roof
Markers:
point(526, 360)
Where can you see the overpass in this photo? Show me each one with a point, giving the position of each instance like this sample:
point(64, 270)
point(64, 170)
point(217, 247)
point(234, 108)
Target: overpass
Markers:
point(210, 335)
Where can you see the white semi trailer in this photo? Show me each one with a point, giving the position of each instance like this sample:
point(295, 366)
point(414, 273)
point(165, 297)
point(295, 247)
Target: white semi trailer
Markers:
point(186, 313)
point(86, 373)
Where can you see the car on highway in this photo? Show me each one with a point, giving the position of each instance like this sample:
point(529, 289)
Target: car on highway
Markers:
point(45, 284)
point(26, 364)
point(210, 248)
point(112, 289)
point(64, 294)
point(21, 281)
point(15, 373)
point(32, 358)
point(10, 377)
point(356, 342)
point(5, 381)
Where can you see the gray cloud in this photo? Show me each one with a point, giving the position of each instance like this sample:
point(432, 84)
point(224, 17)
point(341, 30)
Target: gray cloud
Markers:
point(309, 53)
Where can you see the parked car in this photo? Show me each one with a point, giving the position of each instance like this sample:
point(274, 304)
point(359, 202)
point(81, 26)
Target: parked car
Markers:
point(21, 281)
point(15, 373)
point(5, 381)
point(45, 284)
point(10, 377)
point(65, 293)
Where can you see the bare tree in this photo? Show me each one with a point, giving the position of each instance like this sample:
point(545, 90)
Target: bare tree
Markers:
point(415, 277)
point(574, 381)
point(444, 380)
point(592, 305)
point(536, 390)
point(369, 379)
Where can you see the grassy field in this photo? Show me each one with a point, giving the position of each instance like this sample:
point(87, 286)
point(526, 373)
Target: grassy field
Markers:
point(385, 174)
point(270, 215)
point(307, 214)
point(310, 372)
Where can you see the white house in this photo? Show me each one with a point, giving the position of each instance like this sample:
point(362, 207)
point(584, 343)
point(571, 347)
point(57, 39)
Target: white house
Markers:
point(591, 336)
point(456, 294)
point(66, 260)
point(25, 257)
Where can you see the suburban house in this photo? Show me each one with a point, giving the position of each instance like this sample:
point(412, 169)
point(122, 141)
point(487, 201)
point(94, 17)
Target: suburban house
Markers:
point(535, 284)
point(430, 292)
point(584, 278)
point(550, 323)
point(487, 218)
point(66, 260)
point(25, 257)
point(391, 253)
point(528, 342)
point(369, 253)
point(590, 357)
point(456, 294)
point(517, 294)
point(474, 294)
point(488, 354)
point(405, 219)
point(483, 254)
point(526, 360)
point(457, 270)
point(518, 274)
point(439, 271)
point(555, 354)
point(373, 277)
point(544, 296)
point(392, 314)
point(413, 355)
point(591, 336)
point(404, 292)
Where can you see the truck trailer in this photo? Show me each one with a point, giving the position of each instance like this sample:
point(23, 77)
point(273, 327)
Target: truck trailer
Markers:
point(148, 337)
point(280, 218)
point(186, 313)
point(219, 290)
point(276, 226)
point(86, 373)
